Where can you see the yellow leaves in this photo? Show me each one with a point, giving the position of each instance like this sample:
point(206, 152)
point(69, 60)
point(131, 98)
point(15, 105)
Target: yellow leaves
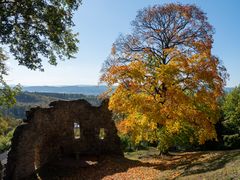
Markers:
point(173, 127)
point(184, 90)
point(166, 88)
point(117, 69)
point(206, 134)
point(203, 47)
point(123, 126)
point(139, 102)
point(134, 72)
point(139, 126)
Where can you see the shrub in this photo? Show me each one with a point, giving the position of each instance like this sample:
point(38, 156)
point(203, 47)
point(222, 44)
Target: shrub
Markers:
point(126, 143)
point(5, 141)
point(232, 141)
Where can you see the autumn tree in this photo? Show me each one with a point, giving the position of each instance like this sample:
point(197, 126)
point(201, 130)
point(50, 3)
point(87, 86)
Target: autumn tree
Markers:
point(168, 81)
point(33, 30)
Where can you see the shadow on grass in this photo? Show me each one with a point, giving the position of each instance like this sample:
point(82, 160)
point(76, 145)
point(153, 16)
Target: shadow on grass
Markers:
point(195, 162)
point(86, 168)
point(206, 163)
point(96, 168)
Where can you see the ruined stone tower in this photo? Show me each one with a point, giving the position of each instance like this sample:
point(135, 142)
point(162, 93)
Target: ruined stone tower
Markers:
point(65, 128)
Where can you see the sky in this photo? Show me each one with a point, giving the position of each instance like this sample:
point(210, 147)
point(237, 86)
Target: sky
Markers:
point(100, 22)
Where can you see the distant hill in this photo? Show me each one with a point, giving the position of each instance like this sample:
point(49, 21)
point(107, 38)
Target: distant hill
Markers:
point(27, 100)
point(228, 89)
point(81, 89)
point(86, 90)
point(33, 96)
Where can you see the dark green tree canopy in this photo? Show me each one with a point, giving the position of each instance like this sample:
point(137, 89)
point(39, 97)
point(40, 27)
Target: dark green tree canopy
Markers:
point(231, 108)
point(36, 29)
point(33, 30)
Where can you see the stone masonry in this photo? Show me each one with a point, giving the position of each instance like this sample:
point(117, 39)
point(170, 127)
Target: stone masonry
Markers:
point(1, 168)
point(48, 133)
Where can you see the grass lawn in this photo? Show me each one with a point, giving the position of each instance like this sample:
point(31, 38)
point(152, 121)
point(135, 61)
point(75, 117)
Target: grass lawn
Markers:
point(191, 165)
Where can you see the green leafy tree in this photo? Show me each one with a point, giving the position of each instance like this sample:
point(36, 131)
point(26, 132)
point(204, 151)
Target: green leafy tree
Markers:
point(231, 108)
point(231, 122)
point(36, 29)
point(33, 30)
point(7, 126)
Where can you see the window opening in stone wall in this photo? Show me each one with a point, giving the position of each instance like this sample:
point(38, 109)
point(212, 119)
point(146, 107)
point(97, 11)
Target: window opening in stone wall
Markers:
point(77, 131)
point(102, 133)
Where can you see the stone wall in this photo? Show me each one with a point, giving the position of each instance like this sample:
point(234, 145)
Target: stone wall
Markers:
point(49, 132)
point(1, 170)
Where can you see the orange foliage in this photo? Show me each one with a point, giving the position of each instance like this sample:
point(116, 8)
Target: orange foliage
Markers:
point(169, 80)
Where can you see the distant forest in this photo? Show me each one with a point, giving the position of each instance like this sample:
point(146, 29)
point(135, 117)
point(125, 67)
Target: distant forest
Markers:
point(81, 89)
point(33, 96)
point(27, 100)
